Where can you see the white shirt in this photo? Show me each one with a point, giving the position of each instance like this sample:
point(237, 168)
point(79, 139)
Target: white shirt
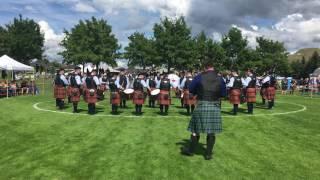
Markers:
point(119, 85)
point(78, 80)
point(246, 81)
point(266, 79)
point(96, 80)
point(64, 79)
point(231, 82)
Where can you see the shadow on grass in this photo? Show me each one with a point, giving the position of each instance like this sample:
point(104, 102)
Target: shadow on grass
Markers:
point(185, 143)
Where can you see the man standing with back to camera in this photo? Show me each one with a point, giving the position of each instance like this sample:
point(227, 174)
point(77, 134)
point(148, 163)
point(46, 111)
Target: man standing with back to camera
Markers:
point(206, 118)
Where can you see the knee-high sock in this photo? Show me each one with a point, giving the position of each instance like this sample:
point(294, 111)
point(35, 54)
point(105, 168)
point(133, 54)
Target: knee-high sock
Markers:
point(235, 109)
point(188, 108)
point(211, 139)
point(166, 108)
point(192, 108)
point(161, 108)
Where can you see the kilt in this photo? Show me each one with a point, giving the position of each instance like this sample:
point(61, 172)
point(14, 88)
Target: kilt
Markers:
point(91, 99)
point(103, 88)
point(188, 98)
point(164, 98)
point(138, 97)
point(59, 92)
point(123, 96)
point(75, 95)
point(206, 118)
point(270, 93)
point(115, 98)
point(69, 91)
point(152, 98)
point(263, 93)
point(251, 95)
point(235, 96)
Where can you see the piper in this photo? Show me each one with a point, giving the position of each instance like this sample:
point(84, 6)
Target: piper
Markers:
point(60, 88)
point(92, 83)
point(75, 84)
point(235, 86)
point(114, 95)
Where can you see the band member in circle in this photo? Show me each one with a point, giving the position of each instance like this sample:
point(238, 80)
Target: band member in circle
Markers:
point(60, 93)
point(75, 84)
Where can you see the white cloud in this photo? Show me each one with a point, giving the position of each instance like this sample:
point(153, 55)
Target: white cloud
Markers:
point(51, 41)
point(164, 7)
point(83, 7)
point(295, 31)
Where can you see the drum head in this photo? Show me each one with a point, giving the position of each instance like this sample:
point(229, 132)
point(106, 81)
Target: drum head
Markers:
point(128, 91)
point(155, 92)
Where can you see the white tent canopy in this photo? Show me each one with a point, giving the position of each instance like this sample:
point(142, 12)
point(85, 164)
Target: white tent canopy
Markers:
point(10, 64)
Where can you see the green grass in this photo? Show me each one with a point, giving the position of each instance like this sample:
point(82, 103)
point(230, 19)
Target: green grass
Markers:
point(46, 145)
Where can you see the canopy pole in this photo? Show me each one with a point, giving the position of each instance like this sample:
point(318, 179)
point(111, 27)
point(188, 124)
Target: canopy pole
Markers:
point(7, 88)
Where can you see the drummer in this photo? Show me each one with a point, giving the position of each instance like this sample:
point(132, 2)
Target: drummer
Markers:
point(151, 84)
point(123, 83)
point(139, 85)
point(164, 99)
point(114, 94)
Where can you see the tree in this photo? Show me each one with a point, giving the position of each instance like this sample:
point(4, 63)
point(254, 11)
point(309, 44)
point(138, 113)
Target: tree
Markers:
point(273, 56)
point(3, 41)
point(173, 43)
point(22, 40)
point(140, 51)
point(312, 64)
point(90, 41)
point(235, 46)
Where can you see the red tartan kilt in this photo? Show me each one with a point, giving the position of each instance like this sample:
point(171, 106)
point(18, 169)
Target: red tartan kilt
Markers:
point(162, 100)
point(59, 92)
point(235, 96)
point(270, 93)
point(91, 99)
point(69, 89)
point(149, 94)
point(115, 98)
point(251, 95)
point(263, 93)
point(75, 94)
point(187, 100)
point(103, 88)
point(138, 97)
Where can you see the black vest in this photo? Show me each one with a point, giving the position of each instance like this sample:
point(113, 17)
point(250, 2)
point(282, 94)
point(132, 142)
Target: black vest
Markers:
point(73, 81)
point(165, 85)
point(210, 87)
point(123, 81)
point(90, 83)
point(58, 81)
point(137, 86)
point(253, 82)
point(152, 83)
point(237, 84)
point(112, 85)
point(187, 83)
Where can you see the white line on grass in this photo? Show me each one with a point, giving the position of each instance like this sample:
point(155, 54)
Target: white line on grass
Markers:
point(303, 108)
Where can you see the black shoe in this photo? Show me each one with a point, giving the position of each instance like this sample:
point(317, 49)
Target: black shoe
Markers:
point(208, 157)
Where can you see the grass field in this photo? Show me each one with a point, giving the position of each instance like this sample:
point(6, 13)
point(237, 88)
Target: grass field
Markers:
point(37, 142)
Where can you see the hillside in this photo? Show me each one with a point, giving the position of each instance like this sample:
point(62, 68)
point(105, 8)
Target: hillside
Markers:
point(307, 53)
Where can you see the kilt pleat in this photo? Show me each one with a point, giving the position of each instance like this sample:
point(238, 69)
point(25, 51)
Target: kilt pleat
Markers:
point(206, 118)
point(75, 95)
point(235, 96)
point(138, 97)
point(59, 92)
point(270, 93)
point(251, 95)
point(188, 98)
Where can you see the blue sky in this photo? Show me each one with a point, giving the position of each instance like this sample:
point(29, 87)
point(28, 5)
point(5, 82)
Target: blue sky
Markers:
point(294, 22)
